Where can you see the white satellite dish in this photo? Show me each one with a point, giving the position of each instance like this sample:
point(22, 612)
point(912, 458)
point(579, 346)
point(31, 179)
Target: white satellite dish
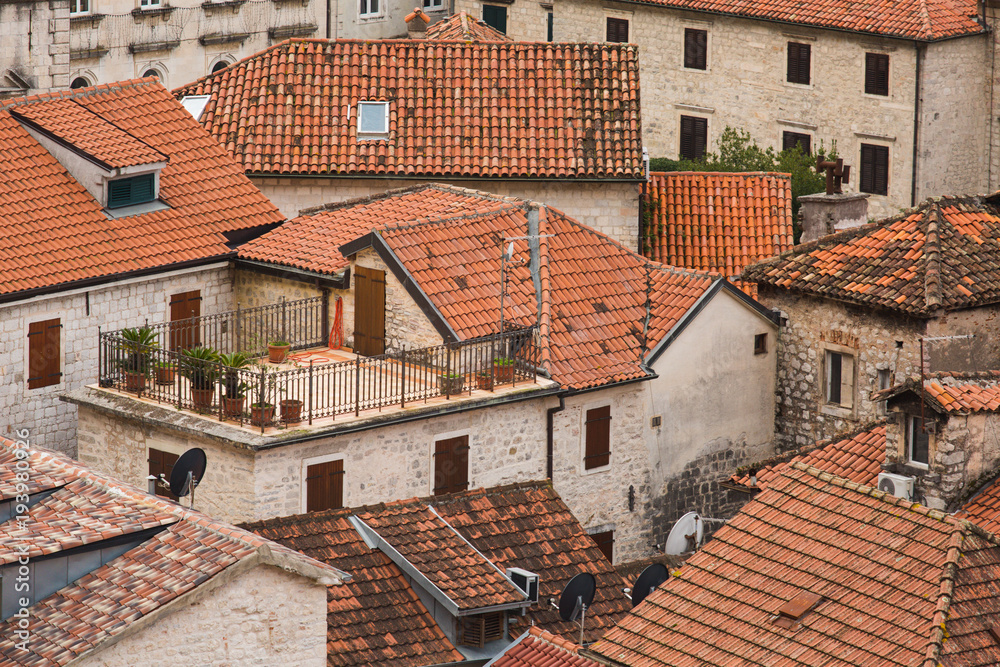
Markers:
point(685, 536)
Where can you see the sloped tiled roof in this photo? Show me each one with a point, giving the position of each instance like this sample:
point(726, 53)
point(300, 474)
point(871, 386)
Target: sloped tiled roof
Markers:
point(857, 457)
point(899, 584)
point(953, 391)
point(54, 232)
point(910, 19)
point(720, 222)
point(457, 109)
point(537, 648)
point(983, 508)
point(463, 27)
point(943, 255)
point(187, 552)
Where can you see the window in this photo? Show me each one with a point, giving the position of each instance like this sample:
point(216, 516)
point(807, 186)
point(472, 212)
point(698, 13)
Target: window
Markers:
point(129, 191)
point(760, 344)
point(550, 34)
point(876, 74)
point(839, 379)
point(451, 465)
point(222, 64)
point(597, 435)
point(373, 119)
point(151, 72)
point(44, 354)
point(495, 17)
point(694, 137)
point(695, 48)
point(874, 169)
point(79, 7)
point(325, 486)
point(917, 439)
point(617, 30)
point(149, 4)
point(79, 82)
point(606, 543)
point(798, 62)
point(368, 8)
point(790, 140)
point(162, 463)
point(433, 5)
point(481, 628)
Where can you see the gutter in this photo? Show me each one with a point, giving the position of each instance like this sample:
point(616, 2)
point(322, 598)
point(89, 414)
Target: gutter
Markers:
point(444, 178)
point(550, 435)
point(921, 50)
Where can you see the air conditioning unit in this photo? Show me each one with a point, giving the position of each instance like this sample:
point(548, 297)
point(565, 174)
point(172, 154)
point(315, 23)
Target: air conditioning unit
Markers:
point(900, 486)
point(526, 581)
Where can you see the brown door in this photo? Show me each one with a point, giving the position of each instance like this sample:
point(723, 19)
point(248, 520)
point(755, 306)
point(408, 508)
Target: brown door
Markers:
point(451, 465)
point(325, 486)
point(369, 311)
point(185, 332)
point(162, 463)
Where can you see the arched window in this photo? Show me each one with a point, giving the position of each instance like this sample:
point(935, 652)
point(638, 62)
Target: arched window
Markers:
point(222, 64)
point(79, 82)
point(151, 72)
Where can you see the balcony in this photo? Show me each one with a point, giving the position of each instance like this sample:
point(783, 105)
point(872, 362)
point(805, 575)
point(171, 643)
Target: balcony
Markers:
point(221, 367)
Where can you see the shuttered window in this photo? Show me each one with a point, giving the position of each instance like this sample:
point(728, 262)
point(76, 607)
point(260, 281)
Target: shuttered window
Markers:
point(839, 379)
point(597, 433)
point(44, 354)
point(876, 74)
point(134, 190)
point(695, 48)
point(550, 32)
point(451, 465)
point(606, 543)
point(798, 62)
point(495, 17)
point(874, 169)
point(481, 628)
point(617, 30)
point(369, 311)
point(790, 139)
point(694, 137)
point(325, 486)
point(162, 463)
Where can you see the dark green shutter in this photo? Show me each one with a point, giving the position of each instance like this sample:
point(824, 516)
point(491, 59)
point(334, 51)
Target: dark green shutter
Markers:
point(128, 191)
point(495, 17)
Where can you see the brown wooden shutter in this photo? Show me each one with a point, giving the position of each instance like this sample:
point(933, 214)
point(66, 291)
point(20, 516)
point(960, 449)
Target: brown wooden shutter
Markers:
point(44, 353)
point(325, 486)
point(162, 463)
point(790, 139)
point(597, 433)
point(874, 169)
point(606, 543)
point(369, 311)
point(451, 465)
point(876, 74)
point(617, 30)
point(183, 306)
point(694, 137)
point(798, 62)
point(695, 48)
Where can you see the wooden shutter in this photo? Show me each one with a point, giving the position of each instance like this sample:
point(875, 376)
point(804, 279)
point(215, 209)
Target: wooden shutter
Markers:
point(597, 433)
point(695, 48)
point(694, 137)
point(790, 139)
point(617, 30)
point(495, 17)
point(550, 35)
point(846, 381)
point(44, 353)
point(162, 463)
point(874, 169)
point(369, 311)
point(451, 465)
point(798, 62)
point(325, 486)
point(185, 333)
point(876, 74)
point(128, 191)
point(606, 543)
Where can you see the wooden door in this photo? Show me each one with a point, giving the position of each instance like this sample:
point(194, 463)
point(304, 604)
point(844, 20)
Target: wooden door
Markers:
point(451, 465)
point(162, 463)
point(184, 332)
point(325, 486)
point(369, 311)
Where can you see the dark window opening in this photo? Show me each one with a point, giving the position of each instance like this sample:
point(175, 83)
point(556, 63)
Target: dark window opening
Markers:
point(695, 48)
point(918, 439)
point(44, 354)
point(451, 465)
point(839, 379)
point(874, 169)
point(694, 137)
point(597, 433)
point(798, 62)
point(134, 190)
point(550, 33)
point(151, 72)
point(325, 486)
point(495, 17)
point(790, 140)
point(606, 543)
point(760, 344)
point(79, 82)
point(222, 64)
point(876, 74)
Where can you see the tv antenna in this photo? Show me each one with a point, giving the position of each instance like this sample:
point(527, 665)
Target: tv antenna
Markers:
point(508, 256)
point(575, 598)
point(648, 581)
point(188, 473)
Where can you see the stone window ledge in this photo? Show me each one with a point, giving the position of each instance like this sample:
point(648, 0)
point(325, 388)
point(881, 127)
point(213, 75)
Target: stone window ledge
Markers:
point(92, 19)
point(235, 5)
point(292, 31)
point(836, 411)
point(154, 46)
point(165, 12)
point(222, 38)
point(88, 54)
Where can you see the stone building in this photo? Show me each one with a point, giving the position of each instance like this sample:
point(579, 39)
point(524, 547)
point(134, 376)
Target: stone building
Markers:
point(117, 208)
point(95, 572)
point(867, 307)
point(553, 123)
point(34, 47)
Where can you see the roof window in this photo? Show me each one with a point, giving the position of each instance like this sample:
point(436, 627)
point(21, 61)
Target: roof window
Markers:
point(373, 120)
point(133, 190)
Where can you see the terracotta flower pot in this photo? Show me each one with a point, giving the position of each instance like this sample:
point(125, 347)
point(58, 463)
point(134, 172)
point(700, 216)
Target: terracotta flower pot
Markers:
point(135, 382)
point(291, 411)
point(166, 374)
point(261, 415)
point(277, 353)
point(503, 373)
point(484, 380)
point(233, 407)
point(451, 384)
point(202, 398)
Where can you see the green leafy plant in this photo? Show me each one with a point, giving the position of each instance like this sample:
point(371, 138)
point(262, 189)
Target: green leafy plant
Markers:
point(233, 362)
point(279, 343)
point(137, 344)
point(200, 365)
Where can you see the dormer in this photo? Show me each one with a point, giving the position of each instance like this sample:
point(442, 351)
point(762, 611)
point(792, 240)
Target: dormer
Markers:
point(119, 170)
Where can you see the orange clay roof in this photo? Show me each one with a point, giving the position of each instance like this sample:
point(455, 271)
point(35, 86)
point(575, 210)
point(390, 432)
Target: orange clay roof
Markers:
point(910, 19)
point(54, 232)
point(857, 457)
point(189, 549)
point(537, 648)
point(941, 255)
point(900, 585)
point(720, 222)
point(477, 109)
point(983, 508)
point(463, 27)
point(953, 392)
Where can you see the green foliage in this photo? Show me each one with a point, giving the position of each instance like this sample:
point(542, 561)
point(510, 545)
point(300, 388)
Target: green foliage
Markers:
point(233, 362)
point(201, 366)
point(137, 343)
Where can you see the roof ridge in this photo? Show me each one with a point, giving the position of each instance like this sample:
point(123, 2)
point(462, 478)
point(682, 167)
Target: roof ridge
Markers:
point(932, 257)
point(544, 282)
point(423, 222)
point(399, 192)
point(938, 630)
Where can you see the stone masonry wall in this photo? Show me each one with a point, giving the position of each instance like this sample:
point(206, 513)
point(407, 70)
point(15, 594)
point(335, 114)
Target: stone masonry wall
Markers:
point(34, 43)
point(612, 208)
point(264, 617)
point(130, 303)
point(527, 20)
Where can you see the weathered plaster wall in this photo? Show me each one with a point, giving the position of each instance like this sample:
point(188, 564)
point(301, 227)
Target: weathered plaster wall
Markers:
point(265, 616)
point(982, 352)
point(128, 303)
point(34, 43)
point(389, 23)
point(610, 207)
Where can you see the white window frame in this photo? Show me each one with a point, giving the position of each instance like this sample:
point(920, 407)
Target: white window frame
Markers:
point(326, 458)
point(909, 425)
point(374, 135)
point(848, 380)
point(434, 5)
point(150, 4)
point(364, 8)
point(75, 7)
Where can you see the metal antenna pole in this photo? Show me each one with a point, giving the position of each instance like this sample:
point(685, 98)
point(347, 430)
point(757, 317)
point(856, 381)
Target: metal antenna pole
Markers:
point(583, 619)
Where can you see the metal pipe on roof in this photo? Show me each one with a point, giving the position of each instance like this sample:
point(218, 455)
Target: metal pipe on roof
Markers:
point(921, 50)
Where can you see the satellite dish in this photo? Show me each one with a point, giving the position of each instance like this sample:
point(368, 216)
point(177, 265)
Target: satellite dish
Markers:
point(579, 591)
point(651, 577)
point(685, 536)
point(187, 472)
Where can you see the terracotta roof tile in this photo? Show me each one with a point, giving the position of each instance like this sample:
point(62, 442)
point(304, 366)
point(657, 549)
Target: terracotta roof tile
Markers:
point(899, 585)
point(983, 508)
point(537, 648)
point(720, 222)
point(55, 232)
point(463, 27)
point(957, 392)
point(942, 255)
point(476, 109)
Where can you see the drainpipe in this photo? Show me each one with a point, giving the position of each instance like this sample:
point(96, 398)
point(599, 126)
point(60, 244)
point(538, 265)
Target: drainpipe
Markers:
point(549, 440)
point(921, 50)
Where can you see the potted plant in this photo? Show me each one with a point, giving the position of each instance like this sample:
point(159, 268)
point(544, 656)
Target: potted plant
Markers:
point(262, 407)
point(277, 350)
point(166, 372)
point(137, 344)
point(200, 365)
point(291, 410)
point(234, 399)
point(484, 380)
point(451, 383)
point(503, 369)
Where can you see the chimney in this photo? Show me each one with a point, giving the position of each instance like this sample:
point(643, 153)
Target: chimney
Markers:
point(416, 24)
point(832, 211)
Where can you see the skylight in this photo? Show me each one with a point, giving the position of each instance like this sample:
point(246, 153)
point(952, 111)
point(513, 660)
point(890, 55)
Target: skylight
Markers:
point(373, 119)
point(195, 104)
